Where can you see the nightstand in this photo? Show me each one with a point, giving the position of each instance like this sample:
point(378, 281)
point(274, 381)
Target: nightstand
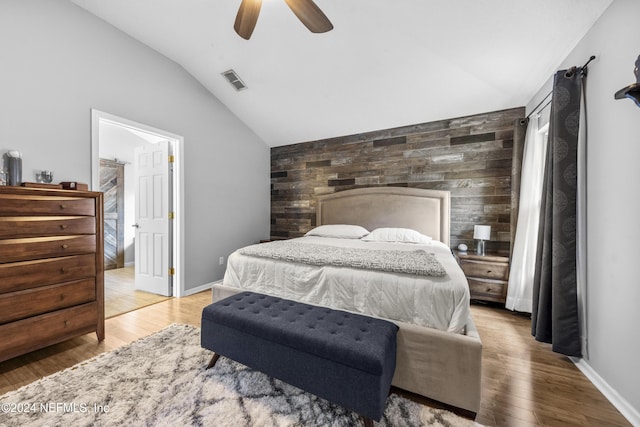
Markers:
point(488, 275)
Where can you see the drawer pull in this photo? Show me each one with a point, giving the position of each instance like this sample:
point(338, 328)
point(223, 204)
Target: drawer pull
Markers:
point(61, 297)
point(65, 246)
point(63, 270)
point(66, 323)
point(63, 206)
point(63, 226)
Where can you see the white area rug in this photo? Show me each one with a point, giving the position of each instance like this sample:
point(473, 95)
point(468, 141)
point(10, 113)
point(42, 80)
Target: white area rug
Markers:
point(161, 380)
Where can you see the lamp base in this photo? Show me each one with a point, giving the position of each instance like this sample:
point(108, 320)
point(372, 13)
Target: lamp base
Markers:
point(480, 248)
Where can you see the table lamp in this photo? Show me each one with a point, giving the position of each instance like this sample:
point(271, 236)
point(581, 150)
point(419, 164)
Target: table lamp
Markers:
point(481, 233)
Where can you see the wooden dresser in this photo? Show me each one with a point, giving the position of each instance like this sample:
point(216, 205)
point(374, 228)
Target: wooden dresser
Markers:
point(488, 275)
point(51, 267)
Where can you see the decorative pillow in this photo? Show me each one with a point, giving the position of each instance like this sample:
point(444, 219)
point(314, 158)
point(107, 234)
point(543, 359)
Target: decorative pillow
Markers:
point(343, 231)
point(401, 235)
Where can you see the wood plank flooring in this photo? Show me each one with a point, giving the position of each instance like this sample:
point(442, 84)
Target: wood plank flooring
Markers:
point(120, 294)
point(524, 383)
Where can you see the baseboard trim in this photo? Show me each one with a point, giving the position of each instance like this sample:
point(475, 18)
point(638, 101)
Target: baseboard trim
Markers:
point(200, 288)
point(629, 412)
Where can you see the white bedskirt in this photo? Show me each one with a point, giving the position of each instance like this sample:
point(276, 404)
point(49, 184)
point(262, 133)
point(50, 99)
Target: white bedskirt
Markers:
point(436, 302)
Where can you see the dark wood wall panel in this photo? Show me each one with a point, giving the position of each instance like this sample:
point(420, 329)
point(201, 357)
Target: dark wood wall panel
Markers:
point(469, 156)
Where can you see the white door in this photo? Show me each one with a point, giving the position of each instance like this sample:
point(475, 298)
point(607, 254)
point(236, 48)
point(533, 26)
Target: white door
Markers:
point(153, 258)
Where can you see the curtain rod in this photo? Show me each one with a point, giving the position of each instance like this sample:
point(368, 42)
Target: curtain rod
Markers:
point(569, 73)
point(537, 107)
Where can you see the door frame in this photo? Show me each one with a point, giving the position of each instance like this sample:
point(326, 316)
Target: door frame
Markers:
point(98, 117)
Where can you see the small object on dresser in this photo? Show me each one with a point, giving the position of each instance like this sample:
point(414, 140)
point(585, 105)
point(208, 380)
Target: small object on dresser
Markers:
point(462, 248)
point(73, 185)
point(44, 176)
point(14, 158)
point(3, 177)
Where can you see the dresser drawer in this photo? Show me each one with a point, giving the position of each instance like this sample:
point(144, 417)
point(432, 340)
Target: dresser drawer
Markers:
point(489, 270)
point(13, 227)
point(22, 304)
point(489, 290)
point(12, 250)
point(37, 332)
point(19, 204)
point(18, 276)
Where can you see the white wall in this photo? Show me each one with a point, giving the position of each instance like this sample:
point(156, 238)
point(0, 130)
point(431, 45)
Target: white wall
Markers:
point(58, 62)
point(613, 202)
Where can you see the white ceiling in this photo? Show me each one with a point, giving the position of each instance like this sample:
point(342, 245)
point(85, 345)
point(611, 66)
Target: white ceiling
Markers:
point(386, 63)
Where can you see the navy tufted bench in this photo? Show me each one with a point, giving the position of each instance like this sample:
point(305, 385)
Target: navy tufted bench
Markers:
point(345, 358)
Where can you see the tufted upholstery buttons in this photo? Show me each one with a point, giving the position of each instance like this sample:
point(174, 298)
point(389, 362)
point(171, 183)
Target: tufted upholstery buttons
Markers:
point(299, 343)
point(332, 334)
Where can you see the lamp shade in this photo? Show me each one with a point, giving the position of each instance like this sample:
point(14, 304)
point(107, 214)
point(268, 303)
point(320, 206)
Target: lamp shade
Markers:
point(482, 232)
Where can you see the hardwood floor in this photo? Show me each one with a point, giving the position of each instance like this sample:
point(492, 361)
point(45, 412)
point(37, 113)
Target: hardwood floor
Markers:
point(120, 295)
point(524, 383)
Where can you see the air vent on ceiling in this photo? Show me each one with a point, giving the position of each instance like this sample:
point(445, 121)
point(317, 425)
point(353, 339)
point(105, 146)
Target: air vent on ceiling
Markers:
point(235, 81)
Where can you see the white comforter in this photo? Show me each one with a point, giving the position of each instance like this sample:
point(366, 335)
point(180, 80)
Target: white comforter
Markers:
point(437, 302)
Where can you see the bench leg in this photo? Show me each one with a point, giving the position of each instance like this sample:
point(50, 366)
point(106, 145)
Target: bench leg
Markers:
point(368, 422)
point(213, 360)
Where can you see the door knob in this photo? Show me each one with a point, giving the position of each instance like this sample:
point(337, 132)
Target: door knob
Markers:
point(135, 225)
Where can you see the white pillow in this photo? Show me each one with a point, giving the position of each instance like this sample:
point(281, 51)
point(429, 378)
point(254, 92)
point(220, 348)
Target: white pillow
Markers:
point(401, 235)
point(343, 231)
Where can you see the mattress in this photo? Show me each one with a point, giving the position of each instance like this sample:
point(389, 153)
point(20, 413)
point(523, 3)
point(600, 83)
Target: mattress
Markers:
point(436, 302)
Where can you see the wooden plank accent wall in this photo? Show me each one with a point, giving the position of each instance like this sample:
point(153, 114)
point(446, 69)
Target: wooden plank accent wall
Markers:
point(469, 156)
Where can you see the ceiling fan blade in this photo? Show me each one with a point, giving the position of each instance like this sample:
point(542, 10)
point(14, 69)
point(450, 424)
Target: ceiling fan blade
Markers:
point(247, 17)
point(310, 15)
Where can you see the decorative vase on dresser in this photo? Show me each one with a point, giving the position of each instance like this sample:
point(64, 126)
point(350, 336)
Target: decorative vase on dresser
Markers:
point(488, 275)
point(51, 267)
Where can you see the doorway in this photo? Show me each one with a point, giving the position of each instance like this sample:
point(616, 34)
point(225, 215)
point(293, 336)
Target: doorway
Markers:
point(114, 143)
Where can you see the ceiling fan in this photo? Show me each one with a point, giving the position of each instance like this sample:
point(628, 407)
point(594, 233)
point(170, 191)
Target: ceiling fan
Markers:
point(306, 11)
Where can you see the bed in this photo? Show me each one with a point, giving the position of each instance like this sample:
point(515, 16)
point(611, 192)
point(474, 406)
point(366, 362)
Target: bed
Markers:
point(439, 349)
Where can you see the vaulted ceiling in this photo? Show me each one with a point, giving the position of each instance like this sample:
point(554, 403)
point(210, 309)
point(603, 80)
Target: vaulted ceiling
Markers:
point(386, 63)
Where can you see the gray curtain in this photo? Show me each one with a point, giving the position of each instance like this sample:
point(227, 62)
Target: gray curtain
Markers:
point(555, 317)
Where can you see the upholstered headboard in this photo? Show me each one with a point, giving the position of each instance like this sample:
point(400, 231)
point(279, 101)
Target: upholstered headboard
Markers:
point(426, 211)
